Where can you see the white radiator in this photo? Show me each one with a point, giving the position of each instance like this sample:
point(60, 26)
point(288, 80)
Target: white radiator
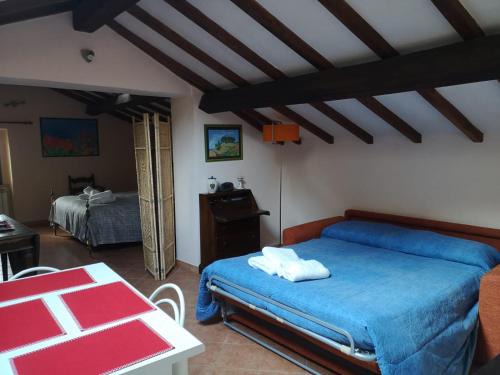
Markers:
point(5, 200)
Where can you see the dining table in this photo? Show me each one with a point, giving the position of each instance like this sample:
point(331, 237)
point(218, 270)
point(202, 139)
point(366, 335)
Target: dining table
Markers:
point(88, 320)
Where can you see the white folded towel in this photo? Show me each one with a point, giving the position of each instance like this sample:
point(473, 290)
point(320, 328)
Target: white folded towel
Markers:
point(84, 197)
point(102, 197)
point(299, 270)
point(262, 263)
point(279, 255)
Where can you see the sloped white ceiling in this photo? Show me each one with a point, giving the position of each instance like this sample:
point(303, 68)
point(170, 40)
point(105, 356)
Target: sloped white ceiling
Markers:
point(407, 25)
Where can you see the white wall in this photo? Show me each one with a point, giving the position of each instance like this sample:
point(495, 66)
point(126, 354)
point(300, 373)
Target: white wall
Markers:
point(34, 176)
point(46, 52)
point(446, 177)
point(260, 167)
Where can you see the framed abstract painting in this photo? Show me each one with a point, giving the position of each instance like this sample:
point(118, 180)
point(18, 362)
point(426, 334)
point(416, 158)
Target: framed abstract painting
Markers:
point(223, 142)
point(69, 137)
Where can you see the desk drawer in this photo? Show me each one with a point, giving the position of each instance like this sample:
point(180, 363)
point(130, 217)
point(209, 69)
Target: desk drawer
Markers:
point(238, 227)
point(238, 244)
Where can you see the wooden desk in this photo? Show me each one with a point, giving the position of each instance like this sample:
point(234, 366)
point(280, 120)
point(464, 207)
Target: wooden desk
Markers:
point(168, 363)
point(20, 240)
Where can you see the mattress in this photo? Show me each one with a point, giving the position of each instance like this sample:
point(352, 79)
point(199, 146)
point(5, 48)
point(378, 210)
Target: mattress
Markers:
point(111, 223)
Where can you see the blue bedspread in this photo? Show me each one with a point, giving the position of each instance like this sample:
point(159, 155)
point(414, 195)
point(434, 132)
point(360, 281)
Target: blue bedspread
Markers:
point(417, 312)
point(116, 222)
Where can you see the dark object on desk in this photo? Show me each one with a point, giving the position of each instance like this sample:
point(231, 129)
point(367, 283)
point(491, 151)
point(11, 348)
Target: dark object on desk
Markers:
point(491, 368)
point(225, 187)
point(229, 225)
point(21, 245)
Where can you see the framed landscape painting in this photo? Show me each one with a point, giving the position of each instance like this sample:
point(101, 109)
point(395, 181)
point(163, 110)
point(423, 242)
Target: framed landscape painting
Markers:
point(223, 142)
point(69, 137)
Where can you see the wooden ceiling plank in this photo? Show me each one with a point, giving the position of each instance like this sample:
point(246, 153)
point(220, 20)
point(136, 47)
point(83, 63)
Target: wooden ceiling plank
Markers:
point(458, 17)
point(177, 68)
point(213, 64)
point(297, 44)
point(371, 38)
point(22, 10)
point(90, 15)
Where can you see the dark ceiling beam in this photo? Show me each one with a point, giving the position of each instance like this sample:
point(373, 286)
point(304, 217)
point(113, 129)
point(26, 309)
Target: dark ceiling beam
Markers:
point(459, 18)
point(205, 23)
point(118, 101)
point(299, 46)
point(90, 15)
point(213, 64)
point(91, 97)
point(465, 62)
point(184, 73)
point(72, 95)
point(370, 37)
point(21, 10)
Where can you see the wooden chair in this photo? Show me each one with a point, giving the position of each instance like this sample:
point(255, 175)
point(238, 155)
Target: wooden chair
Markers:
point(77, 184)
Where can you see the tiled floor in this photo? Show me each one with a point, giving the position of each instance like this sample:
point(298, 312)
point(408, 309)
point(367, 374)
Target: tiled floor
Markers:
point(226, 352)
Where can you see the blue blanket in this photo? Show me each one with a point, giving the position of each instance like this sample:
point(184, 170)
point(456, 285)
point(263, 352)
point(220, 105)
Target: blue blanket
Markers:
point(417, 312)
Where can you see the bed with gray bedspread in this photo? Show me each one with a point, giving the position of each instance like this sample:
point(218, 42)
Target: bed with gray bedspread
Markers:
point(110, 223)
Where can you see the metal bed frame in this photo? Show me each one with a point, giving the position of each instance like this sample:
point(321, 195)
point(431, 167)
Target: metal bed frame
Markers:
point(228, 310)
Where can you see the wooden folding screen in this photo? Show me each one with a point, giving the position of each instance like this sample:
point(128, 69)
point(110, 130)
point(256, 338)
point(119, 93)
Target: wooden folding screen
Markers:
point(153, 155)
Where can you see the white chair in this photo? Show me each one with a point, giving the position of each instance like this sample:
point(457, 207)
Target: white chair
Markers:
point(34, 269)
point(179, 311)
point(181, 367)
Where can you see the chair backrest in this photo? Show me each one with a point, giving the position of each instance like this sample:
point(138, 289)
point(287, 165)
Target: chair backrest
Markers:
point(77, 184)
point(34, 269)
point(179, 312)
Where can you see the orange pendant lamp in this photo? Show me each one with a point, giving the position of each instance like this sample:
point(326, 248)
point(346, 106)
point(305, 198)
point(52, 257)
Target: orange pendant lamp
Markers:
point(279, 133)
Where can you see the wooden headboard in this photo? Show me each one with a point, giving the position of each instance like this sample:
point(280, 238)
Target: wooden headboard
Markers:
point(489, 236)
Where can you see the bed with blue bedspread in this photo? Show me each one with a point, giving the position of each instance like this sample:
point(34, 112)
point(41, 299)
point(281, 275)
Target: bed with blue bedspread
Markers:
point(110, 223)
point(409, 296)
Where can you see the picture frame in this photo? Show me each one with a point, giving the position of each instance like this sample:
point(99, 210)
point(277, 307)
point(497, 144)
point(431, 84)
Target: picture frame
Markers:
point(223, 142)
point(69, 137)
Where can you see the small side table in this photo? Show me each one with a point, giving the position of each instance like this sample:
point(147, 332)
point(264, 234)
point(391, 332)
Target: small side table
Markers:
point(17, 242)
point(491, 368)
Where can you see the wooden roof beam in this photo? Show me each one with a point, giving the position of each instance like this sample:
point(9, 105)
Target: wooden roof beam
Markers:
point(91, 15)
point(459, 18)
point(75, 96)
point(21, 10)
point(206, 59)
point(184, 73)
point(119, 101)
point(465, 62)
point(370, 37)
point(197, 17)
point(297, 44)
